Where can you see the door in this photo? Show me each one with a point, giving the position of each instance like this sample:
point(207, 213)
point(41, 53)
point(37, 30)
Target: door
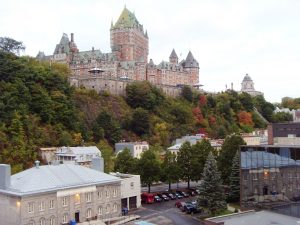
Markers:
point(265, 190)
point(124, 202)
point(132, 202)
point(77, 217)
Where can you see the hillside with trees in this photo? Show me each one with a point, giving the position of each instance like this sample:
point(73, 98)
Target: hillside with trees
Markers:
point(38, 108)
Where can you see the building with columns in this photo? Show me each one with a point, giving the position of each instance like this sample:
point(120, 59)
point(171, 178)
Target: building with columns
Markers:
point(127, 61)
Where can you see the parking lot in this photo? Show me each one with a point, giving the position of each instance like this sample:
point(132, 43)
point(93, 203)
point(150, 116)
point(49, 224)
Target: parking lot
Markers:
point(166, 213)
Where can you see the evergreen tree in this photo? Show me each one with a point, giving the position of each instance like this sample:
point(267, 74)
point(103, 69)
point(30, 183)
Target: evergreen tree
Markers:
point(234, 194)
point(211, 187)
point(107, 154)
point(184, 160)
point(227, 153)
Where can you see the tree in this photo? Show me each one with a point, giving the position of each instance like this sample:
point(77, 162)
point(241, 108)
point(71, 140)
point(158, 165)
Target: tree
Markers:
point(107, 154)
point(234, 179)
point(184, 160)
point(227, 153)
point(110, 127)
point(245, 118)
point(211, 187)
point(282, 117)
point(186, 93)
point(149, 168)
point(170, 170)
point(246, 101)
point(125, 163)
point(10, 45)
point(140, 123)
point(200, 152)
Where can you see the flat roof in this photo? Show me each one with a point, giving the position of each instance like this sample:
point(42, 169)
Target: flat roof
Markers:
point(258, 218)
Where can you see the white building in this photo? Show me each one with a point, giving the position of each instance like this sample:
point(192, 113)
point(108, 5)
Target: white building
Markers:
point(136, 148)
point(248, 86)
point(130, 190)
point(79, 155)
point(48, 154)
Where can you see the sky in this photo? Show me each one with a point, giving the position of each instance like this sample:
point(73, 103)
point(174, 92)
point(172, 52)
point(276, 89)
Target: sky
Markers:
point(229, 38)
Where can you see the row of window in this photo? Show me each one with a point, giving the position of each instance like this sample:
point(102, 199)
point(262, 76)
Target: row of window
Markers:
point(42, 221)
point(88, 198)
point(272, 176)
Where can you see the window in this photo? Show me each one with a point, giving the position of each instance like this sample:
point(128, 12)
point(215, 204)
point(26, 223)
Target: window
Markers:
point(65, 201)
point(100, 210)
point(65, 218)
point(51, 205)
point(115, 192)
point(107, 209)
point(31, 223)
point(254, 176)
point(89, 213)
point(107, 193)
point(42, 221)
point(51, 221)
point(115, 207)
point(99, 194)
point(30, 207)
point(42, 206)
point(77, 199)
point(88, 197)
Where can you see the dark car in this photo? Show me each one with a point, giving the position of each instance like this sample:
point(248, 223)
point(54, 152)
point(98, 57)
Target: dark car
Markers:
point(182, 193)
point(171, 196)
point(179, 204)
point(192, 208)
point(192, 192)
point(164, 197)
point(179, 196)
point(157, 198)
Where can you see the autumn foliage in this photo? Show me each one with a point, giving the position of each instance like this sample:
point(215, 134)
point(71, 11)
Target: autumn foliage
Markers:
point(245, 118)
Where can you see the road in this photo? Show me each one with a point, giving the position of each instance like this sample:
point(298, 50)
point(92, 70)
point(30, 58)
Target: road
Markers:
point(165, 213)
point(164, 187)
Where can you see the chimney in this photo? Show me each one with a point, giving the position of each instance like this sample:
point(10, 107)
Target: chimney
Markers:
point(231, 86)
point(93, 49)
point(5, 173)
point(72, 37)
point(37, 164)
point(97, 164)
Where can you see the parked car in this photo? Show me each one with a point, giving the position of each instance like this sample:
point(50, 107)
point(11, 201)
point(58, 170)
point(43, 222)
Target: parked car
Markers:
point(157, 198)
point(184, 194)
point(179, 196)
point(170, 195)
point(164, 197)
point(179, 204)
point(147, 198)
point(191, 209)
point(191, 192)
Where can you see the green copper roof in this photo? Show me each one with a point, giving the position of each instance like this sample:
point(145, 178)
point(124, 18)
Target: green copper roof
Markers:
point(126, 20)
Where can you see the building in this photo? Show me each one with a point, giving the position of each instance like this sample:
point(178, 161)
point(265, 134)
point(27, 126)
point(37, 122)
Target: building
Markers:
point(136, 148)
point(284, 133)
point(269, 173)
point(130, 190)
point(257, 137)
point(47, 154)
point(127, 61)
point(248, 86)
point(78, 155)
point(56, 194)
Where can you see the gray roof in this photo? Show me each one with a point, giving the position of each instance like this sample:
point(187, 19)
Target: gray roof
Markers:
point(190, 61)
point(80, 150)
point(63, 46)
point(247, 78)
point(173, 54)
point(251, 217)
point(56, 177)
point(262, 159)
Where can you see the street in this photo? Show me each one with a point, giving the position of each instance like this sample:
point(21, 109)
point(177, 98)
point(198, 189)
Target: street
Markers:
point(163, 187)
point(165, 213)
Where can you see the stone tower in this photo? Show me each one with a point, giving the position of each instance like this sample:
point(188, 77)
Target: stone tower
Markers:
point(191, 65)
point(128, 40)
point(173, 57)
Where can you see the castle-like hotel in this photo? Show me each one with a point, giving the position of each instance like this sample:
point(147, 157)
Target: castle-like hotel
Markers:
point(127, 62)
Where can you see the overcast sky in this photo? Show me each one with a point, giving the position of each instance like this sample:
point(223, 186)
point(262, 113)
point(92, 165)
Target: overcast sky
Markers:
point(228, 38)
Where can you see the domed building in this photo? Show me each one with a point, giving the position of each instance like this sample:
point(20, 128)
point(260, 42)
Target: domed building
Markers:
point(248, 86)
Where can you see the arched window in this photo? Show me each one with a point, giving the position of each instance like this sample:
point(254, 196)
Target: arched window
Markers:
point(115, 207)
point(52, 221)
point(42, 221)
point(89, 213)
point(31, 222)
point(107, 209)
point(65, 218)
point(100, 210)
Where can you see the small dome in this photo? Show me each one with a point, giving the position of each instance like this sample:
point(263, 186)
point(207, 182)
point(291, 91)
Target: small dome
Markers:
point(247, 78)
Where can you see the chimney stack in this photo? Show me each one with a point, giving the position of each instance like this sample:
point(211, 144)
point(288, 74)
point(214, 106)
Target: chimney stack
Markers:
point(5, 173)
point(231, 86)
point(72, 37)
point(98, 164)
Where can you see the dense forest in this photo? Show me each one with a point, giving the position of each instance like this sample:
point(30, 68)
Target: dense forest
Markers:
point(38, 108)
